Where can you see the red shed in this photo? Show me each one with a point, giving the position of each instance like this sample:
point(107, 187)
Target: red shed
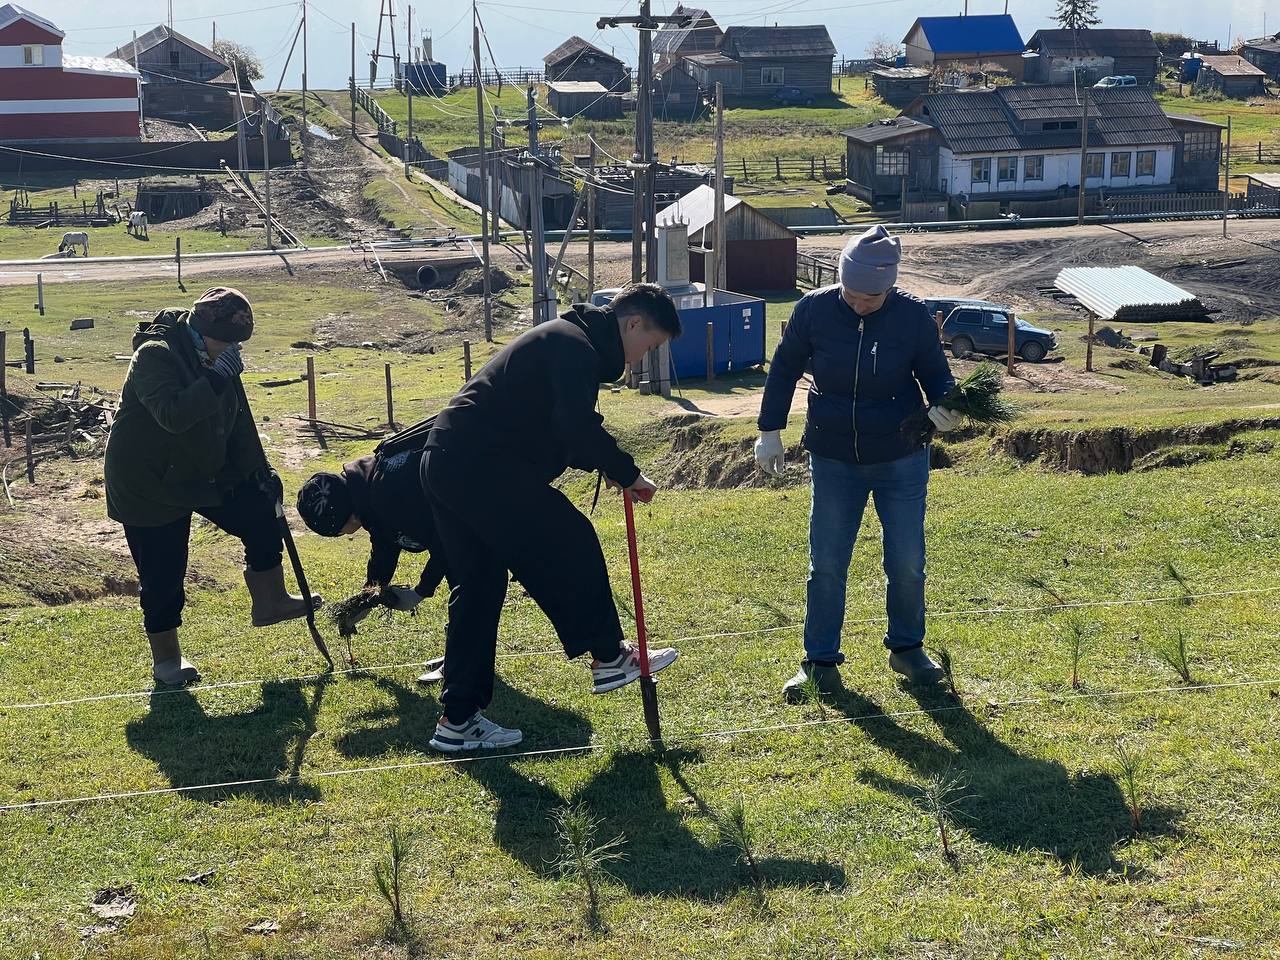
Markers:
point(47, 95)
point(760, 253)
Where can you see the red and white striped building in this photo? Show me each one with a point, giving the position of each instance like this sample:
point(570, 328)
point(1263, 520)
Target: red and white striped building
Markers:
point(48, 95)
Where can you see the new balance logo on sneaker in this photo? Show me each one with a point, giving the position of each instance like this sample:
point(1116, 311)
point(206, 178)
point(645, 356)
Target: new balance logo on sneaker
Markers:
point(478, 733)
point(612, 674)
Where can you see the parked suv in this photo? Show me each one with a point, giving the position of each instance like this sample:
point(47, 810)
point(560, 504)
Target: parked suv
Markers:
point(1123, 81)
point(947, 304)
point(790, 96)
point(971, 329)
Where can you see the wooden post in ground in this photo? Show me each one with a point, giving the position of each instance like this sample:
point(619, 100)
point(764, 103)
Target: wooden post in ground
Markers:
point(590, 187)
point(31, 461)
point(711, 351)
point(938, 318)
point(1226, 180)
point(311, 388)
point(391, 410)
point(1013, 342)
point(466, 359)
point(177, 255)
point(3, 388)
point(40, 293)
point(29, 352)
point(4, 397)
point(222, 223)
point(1088, 350)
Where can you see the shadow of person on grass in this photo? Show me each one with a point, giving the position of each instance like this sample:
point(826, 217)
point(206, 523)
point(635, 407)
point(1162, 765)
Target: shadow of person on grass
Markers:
point(1011, 801)
point(192, 747)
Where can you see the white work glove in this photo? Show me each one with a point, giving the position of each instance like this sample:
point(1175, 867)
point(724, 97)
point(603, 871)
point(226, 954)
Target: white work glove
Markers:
point(945, 419)
point(770, 456)
point(403, 598)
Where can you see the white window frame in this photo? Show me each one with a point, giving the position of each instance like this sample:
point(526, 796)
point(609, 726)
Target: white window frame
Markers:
point(767, 72)
point(1026, 167)
point(1137, 166)
point(1005, 162)
point(33, 55)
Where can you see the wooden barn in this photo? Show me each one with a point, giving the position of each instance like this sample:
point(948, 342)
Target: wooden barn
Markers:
point(1054, 56)
point(761, 254)
point(899, 86)
point(700, 35)
point(47, 95)
point(1232, 76)
point(581, 62)
point(885, 155)
point(1264, 53)
point(583, 98)
point(777, 57)
point(959, 41)
point(182, 80)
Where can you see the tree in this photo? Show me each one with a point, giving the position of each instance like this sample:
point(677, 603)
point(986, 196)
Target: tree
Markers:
point(882, 48)
point(1077, 14)
point(241, 59)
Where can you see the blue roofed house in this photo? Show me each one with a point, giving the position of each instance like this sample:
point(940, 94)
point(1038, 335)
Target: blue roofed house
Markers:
point(966, 42)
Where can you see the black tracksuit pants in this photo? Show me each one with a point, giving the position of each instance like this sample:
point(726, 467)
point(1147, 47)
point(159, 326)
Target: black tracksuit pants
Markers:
point(496, 517)
point(160, 553)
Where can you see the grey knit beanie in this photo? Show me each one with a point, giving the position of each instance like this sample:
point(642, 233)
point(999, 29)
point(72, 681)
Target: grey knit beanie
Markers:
point(869, 263)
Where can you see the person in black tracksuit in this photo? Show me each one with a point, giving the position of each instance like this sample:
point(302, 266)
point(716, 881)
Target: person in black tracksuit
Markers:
point(518, 424)
point(383, 494)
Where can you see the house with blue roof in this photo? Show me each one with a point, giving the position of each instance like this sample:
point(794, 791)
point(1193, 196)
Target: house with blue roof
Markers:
point(960, 42)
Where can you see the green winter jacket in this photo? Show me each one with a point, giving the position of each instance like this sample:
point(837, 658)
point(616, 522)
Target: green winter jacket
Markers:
point(175, 445)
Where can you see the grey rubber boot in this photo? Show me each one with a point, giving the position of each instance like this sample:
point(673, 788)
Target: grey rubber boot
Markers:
point(916, 665)
point(826, 675)
point(168, 665)
point(272, 603)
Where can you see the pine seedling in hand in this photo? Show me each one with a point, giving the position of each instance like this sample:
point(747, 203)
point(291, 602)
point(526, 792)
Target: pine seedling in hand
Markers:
point(580, 856)
point(977, 396)
point(1132, 768)
point(388, 875)
point(942, 794)
point(1174, 653)
point(736, 832)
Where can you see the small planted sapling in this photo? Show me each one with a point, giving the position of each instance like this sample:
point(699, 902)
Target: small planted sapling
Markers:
point(947, 663)
point(581, 856)
point(942, 794)
point(736, 832)
point(1079, 639)
point(1172, 572)
point(1132, 768)
point(1173, 651)
point(388, 875)
point(811, 696)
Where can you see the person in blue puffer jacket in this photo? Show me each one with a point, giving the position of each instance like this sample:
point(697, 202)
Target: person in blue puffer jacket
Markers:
point(872, 350)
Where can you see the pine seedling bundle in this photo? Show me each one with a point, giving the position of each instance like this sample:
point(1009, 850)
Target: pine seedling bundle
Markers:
point(977, 396)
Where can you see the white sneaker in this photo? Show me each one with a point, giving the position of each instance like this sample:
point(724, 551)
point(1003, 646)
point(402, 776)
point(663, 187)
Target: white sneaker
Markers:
point(435, 672)
point(612, 674)
point(477, 733)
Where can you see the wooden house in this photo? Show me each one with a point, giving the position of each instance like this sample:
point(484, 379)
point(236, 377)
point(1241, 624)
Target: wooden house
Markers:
point(579, 61)
point(959, 41)
point(777, 57)
point(1054, 56)
point(673, 42)
point(884, 157)
point(182, 80)
point(1264, 53)
point(761, 253)
point(1232, 76)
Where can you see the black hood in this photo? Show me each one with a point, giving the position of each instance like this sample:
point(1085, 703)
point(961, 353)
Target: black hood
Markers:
point(358, 475)
point(601, 327)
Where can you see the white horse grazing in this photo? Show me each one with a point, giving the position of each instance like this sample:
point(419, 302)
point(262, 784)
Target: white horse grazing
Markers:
point(70, 241)
point(138, 224)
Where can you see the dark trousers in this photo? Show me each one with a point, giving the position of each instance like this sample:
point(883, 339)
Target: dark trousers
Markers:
point(493, 519)
point(160, 553)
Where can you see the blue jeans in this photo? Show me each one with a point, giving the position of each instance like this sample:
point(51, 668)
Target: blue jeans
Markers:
point(840, 492)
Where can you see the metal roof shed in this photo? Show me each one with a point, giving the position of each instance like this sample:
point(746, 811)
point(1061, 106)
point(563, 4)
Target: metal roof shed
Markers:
point(1128, 293)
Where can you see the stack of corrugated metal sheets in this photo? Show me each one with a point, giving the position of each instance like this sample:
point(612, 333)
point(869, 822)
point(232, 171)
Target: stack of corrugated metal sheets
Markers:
point(1129, 294)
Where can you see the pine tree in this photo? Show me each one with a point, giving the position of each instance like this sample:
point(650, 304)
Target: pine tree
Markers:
point(1077, 14)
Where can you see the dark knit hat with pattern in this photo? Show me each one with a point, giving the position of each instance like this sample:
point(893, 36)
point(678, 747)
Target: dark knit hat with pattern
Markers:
point(325, 504)
point(224, 314)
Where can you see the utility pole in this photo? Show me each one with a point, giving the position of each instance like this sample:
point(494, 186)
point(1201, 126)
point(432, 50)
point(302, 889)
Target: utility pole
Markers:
point(541, 303)
point(1084, 157)
point(590, 187)
point(353, 79)
point(642, 161)
point(266, 180)
point(484, 180)
point(719, 277)
point(1226, 179)
point(303, 133)
point(214, 44)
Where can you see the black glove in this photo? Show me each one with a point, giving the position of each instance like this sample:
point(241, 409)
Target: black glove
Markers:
point(269, 482)
point(226, 368)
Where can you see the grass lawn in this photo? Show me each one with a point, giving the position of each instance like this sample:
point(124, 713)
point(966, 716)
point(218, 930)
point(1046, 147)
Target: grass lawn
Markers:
point(1249, 124)
point(835, 793)
point(752, 131)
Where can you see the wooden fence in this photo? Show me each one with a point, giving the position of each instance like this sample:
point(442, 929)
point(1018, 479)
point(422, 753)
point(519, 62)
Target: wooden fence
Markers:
point(779, 168)
point(815, 272)
point(1170, 203)
point(371, 106)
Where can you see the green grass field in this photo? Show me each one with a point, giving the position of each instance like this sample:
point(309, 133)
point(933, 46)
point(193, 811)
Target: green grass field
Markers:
point(1047, 861)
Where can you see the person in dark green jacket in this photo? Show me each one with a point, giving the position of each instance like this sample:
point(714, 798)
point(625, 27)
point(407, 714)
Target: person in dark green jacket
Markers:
point(183, 442)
